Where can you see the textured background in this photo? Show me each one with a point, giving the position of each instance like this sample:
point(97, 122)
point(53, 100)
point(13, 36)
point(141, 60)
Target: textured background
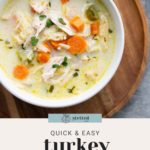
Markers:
point(139, 106)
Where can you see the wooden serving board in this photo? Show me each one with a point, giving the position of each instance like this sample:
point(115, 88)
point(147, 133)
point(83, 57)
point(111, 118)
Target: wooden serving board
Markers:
point(123, 85)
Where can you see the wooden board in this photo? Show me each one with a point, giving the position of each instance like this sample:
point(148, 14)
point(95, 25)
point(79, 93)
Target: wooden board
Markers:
point(123, 85)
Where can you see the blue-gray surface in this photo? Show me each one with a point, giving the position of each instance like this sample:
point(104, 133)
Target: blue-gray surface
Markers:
point(139, 106)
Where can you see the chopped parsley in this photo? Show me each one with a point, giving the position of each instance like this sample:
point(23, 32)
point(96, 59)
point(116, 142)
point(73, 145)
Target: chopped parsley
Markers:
point(77, 70)
point(71, 90)
point(22, 46)
point(86, 83)
point(110, 30)
point(56, 66)
point(1, 40)
point(42, 17)
point(49, 4)
point(76, 55)
point(96, 38)
point(49, 23)
point(75, 74)
point(65, 62)
point(29, 61)
point(51, 89)
point(34, 41)
point(61, 20)
point(10, 47)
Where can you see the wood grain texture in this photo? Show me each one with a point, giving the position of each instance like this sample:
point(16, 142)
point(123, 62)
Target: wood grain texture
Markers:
point(118, 92)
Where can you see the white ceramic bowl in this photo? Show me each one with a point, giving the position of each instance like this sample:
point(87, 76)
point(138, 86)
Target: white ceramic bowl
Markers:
point(27, 97)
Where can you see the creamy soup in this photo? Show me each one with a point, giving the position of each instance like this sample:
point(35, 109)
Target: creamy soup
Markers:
point(56, 48)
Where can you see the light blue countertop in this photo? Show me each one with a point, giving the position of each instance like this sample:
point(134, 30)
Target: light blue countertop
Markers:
point(139, 105)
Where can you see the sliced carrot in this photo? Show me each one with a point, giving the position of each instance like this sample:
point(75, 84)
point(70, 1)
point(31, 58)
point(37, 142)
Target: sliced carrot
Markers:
point(77, 45)
point(95, 27)
point(77, 23)
point(47, 44)
point(55, 44)
point(64, 1)
point(20, 72)
point(43, 57)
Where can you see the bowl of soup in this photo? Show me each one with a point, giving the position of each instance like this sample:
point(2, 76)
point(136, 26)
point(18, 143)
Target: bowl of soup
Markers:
point(58, 53)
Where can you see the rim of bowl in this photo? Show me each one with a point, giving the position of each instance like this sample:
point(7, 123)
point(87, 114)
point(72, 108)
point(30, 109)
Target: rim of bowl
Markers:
point(53, 103)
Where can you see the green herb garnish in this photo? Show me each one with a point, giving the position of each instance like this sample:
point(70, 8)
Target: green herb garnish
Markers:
point(96, 38)
point(34, 41)
point(1, 40)
point(71, 90)
point(61, 21)
point(49, 23)
point(77, 70)
point(86, 83)
point(42, 17)
point(29, 62)
point(10, 47)
point(75, 74)
point(22, 46)
point(110, 31)
point(76, 55)
point(51, 89)
point(65, 63)
point(56, 66)
point(49, 4)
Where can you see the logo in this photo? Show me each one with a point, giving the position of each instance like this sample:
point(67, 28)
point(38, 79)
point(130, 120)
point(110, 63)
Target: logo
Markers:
point(66, 118)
